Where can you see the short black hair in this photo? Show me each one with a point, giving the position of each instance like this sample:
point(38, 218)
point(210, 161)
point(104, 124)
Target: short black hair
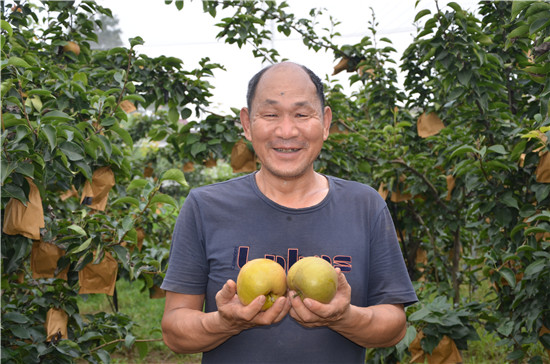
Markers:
point(253, 84)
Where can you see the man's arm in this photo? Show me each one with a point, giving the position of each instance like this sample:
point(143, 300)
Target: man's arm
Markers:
point(187, 329)
point(374, 326)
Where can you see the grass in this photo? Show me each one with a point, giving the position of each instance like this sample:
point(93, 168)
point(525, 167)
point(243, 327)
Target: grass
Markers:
point(147, 313)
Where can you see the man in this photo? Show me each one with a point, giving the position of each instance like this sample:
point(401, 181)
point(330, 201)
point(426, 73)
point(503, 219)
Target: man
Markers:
point(285, 211)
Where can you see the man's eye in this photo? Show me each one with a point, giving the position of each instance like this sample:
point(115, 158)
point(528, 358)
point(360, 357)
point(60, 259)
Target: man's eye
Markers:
point(301, 115)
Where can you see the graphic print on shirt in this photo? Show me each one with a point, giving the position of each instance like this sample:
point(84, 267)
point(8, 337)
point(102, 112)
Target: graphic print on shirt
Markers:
point(240, 258)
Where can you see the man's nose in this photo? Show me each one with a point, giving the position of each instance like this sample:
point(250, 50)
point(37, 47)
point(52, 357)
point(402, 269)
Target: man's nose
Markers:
point(286, 128)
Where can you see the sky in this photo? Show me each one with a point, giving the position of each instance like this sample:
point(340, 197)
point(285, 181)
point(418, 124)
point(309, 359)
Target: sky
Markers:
point(190, 34)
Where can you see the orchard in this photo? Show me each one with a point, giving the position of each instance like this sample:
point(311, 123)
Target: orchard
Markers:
point(96, 163)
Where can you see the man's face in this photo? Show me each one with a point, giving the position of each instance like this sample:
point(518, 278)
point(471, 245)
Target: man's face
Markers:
point(286, 125)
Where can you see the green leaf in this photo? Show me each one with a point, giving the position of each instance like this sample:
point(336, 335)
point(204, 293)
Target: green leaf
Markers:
point(21, 332)
point(421, 14)
point(163, 198)
point(72, 151)
point(6, 26)
point(509, 200)
point(77, 229)
point(56, 115)
point(39, 92)
point(543, 215)
point(10, 190)
point(135, 41)
point(185, 113)
point(15, 317)
point(498, 149)
point(464, 76)
point(135, 97)
point(519, 31)
point(90, 335)
point(81, 248)
point(518, 6)
point(509, 276)
point(455, 6)
point(173, 115)
point(7, 168)
point(50, 133)
point(534, 268)
point(122, 254)
point(127, 199)
point(463, 150)
point(124, 135)
point(197, 148)
point(175, 175)
point(130, 339)
point(18, 62)
point(506, 328)
point(137, 183)
point(539, 24)
point(26, 169)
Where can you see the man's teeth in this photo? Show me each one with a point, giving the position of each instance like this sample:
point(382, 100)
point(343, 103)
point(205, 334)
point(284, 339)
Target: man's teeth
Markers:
point(287, 150)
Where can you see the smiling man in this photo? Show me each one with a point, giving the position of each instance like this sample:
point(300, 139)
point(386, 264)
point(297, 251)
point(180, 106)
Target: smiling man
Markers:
point(285, 211)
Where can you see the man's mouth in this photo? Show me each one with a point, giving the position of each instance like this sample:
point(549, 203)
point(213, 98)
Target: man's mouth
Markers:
point(287, 150)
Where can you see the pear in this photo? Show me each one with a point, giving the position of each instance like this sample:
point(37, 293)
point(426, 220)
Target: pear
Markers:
point(313, 277)
point(261, 277)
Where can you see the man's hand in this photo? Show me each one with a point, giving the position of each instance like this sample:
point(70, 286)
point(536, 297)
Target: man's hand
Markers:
point(311, 313)
point(238, 317)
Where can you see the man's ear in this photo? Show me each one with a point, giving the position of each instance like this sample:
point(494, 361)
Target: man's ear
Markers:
point(245, 122)
point(327, 119)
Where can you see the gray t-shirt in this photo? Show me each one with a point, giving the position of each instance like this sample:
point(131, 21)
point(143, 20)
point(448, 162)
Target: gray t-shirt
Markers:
point(222, 226)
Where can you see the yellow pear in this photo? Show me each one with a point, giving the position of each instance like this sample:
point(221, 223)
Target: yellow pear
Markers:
point(313, 277)
point(261, 277)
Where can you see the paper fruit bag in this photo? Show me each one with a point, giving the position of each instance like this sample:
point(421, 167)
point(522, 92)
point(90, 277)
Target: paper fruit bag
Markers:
point(543, 168)
point(95, 194)
point(56, 324)
point(429, 125)
point(242, 158)
point(25, 220)
point(445, 352)
point(44, 257)
point(99, 278)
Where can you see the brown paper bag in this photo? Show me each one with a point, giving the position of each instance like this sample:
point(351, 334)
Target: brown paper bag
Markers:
point(156, 292)
point(543, 168)
point(450, 186)
point(445, 352)
point(428, 125)
point(210, 163)
point(44, 257)
point(242, 158)
point(99, 278)
point(335, 129)
point(189, 167)
point(95, 195)
point(128, 106)
point(25, 220)
point(140, 236)
point(56, 324)
point(383, 191)
point(69, 193)
point(341, 66)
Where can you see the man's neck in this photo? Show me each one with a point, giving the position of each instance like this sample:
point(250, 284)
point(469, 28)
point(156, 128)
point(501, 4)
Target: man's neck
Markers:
point(306, 191)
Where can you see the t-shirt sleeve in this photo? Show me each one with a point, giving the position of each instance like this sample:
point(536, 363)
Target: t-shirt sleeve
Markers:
point(187, 265)
point(389, 281)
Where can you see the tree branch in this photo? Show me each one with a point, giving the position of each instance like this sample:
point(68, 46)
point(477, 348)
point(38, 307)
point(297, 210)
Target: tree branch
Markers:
point(424, 178)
